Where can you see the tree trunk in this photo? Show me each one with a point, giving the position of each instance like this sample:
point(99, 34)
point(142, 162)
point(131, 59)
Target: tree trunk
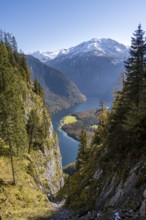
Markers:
point(12, 163)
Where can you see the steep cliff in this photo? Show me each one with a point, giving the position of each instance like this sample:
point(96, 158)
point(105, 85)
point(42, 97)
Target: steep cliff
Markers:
point(30, 159)
point(46, 155)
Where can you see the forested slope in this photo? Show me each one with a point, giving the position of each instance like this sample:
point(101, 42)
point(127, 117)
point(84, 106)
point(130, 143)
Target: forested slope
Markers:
point(59, 91)
point(30, 160)
point(110, 176)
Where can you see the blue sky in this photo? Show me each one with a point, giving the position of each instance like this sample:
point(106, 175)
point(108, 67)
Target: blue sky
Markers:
point(54, 24)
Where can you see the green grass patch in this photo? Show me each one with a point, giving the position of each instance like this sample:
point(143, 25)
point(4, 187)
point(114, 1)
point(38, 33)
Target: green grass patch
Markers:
point(68, 120)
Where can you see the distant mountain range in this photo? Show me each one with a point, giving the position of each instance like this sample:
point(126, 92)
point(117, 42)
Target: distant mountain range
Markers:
point(94, 66)
point(100, 47)
point(59, 91)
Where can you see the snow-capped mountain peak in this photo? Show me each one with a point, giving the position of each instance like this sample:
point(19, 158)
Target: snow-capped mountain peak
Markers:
point(45, 56)
point(99, 47)
point(103, 46)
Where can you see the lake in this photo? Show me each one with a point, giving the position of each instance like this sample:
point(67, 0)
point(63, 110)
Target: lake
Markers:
point(69, 146)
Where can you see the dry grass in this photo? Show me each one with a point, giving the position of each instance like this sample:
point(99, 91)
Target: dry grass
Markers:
point(23, 200)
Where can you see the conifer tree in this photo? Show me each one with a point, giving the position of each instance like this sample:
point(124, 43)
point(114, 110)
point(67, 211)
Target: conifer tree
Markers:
point(33, 129)
point(136, 67)
point(127, 118)
point(82, 152)
point(14, 44)
point(102, 117)
point(1, 35)
point(24, 68)
point(37, 88)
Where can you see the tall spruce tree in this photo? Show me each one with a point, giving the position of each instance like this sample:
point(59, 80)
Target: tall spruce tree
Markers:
point(32, 128)
point(127, 118)
point(82, 152)
point(136, 67)
point(37, 129)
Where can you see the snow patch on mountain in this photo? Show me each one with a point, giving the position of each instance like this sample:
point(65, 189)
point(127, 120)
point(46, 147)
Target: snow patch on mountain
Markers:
point(44, 56)
point(99, 47)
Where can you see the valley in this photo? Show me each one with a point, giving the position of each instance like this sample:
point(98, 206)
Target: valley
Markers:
point(66, 152)
point(95, 66)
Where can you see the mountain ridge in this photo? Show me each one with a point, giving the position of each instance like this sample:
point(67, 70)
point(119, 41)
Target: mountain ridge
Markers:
point(94, 66)
point(102, 46)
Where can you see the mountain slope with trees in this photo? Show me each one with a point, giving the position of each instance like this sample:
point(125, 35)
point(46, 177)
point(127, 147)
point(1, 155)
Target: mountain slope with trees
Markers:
point(30, 160)
point(59, 91)
point(110, 174)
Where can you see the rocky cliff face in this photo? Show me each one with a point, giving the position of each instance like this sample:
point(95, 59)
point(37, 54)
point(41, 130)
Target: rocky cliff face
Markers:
point(47, 159)
point(123, 190)
point(37, 173)
point(110, 179)
point(54, 173)
point(108, 190)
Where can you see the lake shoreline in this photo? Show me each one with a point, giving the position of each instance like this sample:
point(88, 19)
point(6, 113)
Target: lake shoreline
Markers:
point(75, 138)
point(68, 143)
point(75, 123)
